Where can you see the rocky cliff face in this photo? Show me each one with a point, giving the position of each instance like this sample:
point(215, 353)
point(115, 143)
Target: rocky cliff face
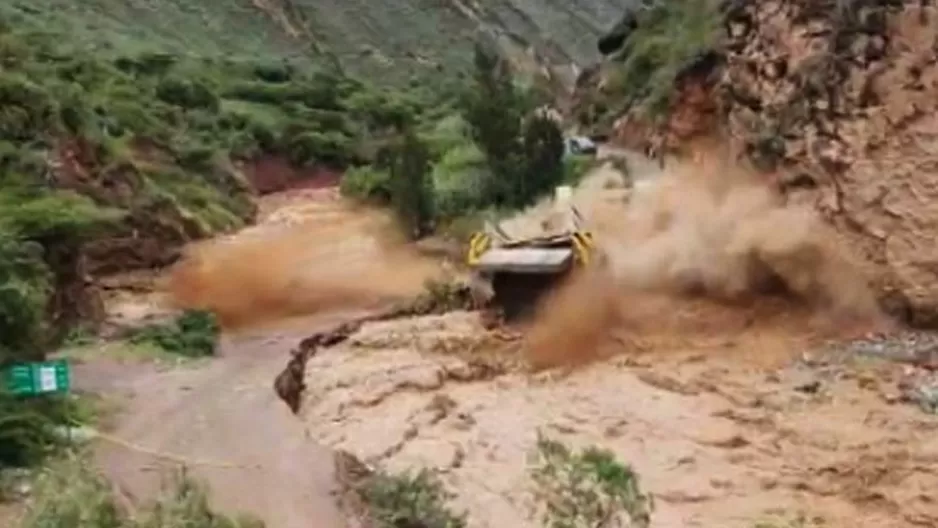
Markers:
point(839, 99)
point(835, 102)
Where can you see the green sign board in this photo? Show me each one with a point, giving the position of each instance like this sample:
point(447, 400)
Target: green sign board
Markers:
point(31, 379)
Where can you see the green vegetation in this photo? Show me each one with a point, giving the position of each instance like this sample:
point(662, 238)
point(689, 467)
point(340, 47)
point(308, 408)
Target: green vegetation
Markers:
point(397, 41)
point(30, 428)
point(27, 429)
point(523, 150)
point(192, 334)
point(409, 499)
point(140, 144)
point(494, 152)
point(646, 52)
point(587, 489)
point(69, 494)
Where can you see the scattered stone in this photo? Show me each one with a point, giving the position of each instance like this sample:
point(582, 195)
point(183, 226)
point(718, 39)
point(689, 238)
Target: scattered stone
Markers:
point(811, 387)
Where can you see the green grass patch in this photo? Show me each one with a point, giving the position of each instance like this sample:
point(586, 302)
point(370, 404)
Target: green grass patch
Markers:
point(30, 428)
point(193, 334)
point(68, 493)
point(641, 73)
point(587, 489)
point(409, 499)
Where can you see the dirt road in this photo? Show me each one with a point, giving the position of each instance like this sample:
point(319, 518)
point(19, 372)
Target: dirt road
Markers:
point(221, 417)
point(223, 421)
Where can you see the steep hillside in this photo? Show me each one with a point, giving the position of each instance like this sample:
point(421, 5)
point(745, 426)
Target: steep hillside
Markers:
point(130, 128)
point(388, 40)
point(834, 102)
point(113, 159)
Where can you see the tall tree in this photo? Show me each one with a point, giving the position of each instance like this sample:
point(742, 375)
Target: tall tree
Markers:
point(494, 110)
point(524, 152)
point(543, 153)
point(411, 187)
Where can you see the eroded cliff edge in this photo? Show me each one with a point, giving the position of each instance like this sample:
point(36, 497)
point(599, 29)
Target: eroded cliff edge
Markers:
point(832, 102)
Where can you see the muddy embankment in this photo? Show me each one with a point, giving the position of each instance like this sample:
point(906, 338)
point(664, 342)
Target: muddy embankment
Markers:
point(684, 342)
point(834, 104)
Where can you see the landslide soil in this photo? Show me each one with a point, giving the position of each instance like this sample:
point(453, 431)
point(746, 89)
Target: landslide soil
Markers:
point(713, 353)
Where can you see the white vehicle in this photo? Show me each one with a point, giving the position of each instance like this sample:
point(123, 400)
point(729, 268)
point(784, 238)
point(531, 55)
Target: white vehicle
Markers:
point(579, 145)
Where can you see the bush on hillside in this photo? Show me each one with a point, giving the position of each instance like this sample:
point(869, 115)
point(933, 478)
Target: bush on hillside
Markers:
point(274, 72)
point(30, 428)
point(28, 220)
point(186, 93)
point(27, 111)
point(665, 39)
point(25, 286)
point(409, 499)
point(448, 133)
point(381, 111)
point(26, 434)
point(459, 178)
point(308, 147)
point(367, 184)
point(148, 63)
point(193, 334)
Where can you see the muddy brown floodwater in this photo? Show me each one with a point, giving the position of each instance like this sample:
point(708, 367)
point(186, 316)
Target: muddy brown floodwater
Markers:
point(313, 260)
point(692, 349)
point(692, 355)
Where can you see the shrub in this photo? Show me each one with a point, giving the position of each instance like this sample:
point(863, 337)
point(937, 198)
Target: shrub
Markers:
point(192, 334)
point(409, 499)
point(55, 215)
point(367, 184)
point(27, 111)
point(27, 431)
point(70, 494)
point(410, 185)
point(575, 167)
point(459, 179)
point(587, 489)
point(306, 147)
point(186, 93)
point(273, 72)
point(263, 93)
point(380, 111)
point(150, 63)
point(665, 40)
point(187, 505)
point(25, 286)
point(448, 133)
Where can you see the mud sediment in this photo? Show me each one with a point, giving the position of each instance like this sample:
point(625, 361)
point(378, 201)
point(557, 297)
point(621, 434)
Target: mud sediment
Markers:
point(290, 383)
